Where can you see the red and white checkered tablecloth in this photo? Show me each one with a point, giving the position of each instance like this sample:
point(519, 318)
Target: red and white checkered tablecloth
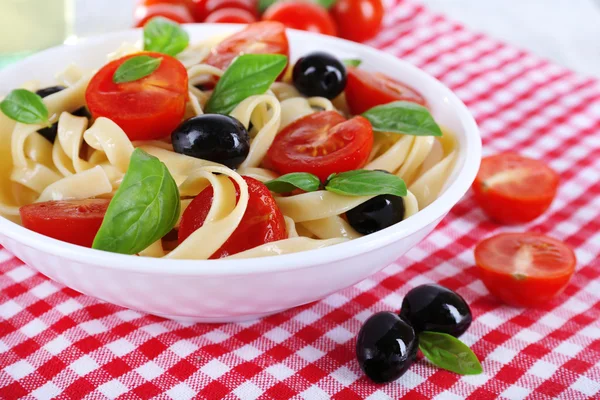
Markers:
point(57, 342)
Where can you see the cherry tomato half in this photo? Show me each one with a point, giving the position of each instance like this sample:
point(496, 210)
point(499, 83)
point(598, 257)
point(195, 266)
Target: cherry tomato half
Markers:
point(201, 9)
point(512, 189)
point(366, 90)
point(262, 222)
point(72, 221)
point(305, 16)
point(265, 37)
point(175, 12)
point(231, 15)
point(321, 143)
point(358, 20)
point(149, 108)
point(524, 269)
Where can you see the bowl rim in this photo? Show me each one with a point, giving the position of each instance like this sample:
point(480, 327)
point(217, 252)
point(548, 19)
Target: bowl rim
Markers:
point(468, 161)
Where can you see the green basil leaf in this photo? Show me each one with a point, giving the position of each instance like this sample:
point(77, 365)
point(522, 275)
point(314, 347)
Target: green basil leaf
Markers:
point(24, 106)
point(295, 180)
point(403, 117)
point(248, 75)
point(145, 207)
point(325, 3)
point(136, 68)
point(449, 353)
point(165, 36)
point(364, 182)
point(264, 4)
point(352, 62)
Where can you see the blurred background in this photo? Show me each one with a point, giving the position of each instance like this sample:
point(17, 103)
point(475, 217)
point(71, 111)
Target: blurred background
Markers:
point(564, 31)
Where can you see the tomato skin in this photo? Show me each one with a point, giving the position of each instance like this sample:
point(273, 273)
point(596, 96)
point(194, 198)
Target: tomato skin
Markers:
point(304, 16)
point(201, 9)
point(516, 201)
point(175, 12)
point(358, 20)
point(231, 15)
point(365, 90)
point(534, 285)
point(72, 221)
point(149, 108)
point(262, 222)
point(321, 143)
point(265, 37)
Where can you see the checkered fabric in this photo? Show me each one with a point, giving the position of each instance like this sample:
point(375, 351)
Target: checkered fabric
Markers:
point(57, 342)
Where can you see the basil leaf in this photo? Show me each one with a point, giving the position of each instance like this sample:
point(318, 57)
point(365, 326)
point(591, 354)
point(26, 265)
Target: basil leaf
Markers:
point(325, 3)
point(165, 36)
point(145, 207)
point(403, 117)
point(295, 180)
point(136, 68)
point(264, 4)
point(352, 62)
point(26, 107)
point(248, 75)
point(364, 182)
point(449, 353)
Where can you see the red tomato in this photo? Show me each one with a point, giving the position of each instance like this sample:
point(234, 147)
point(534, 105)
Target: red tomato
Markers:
point(259, 38)
point(175, 12)
point(512, 189)
point(201, 9)
point(358, 20)
point(262, 222)
point(231, 15)
point(524, 269)
point(300, 15)
point(321, 143)
point(366, 90)
point(72, 221)
point(149, 108)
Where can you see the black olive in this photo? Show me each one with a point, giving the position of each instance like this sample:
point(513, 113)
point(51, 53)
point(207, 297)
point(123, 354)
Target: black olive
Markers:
point(215, 137)
point(50, 132)
point(319, 74)
point(436, 308)
point(386, 347)
point(376, 214)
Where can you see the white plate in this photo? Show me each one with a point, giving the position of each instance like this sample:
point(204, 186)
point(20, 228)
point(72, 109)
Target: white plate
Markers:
point(233, 290)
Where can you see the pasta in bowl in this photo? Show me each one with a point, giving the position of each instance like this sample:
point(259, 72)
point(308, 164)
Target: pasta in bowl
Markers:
point(208, 148)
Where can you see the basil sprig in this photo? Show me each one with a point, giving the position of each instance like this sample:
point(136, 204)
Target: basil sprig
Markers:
point(26, 107)
point(136, 68)
point(145, 207)
point(403, 117)
point(447, 352)
point(165, 36)
point(248, 75)
point(352, 62)
point(360, 182)
point(295, 180)
point(264, 4)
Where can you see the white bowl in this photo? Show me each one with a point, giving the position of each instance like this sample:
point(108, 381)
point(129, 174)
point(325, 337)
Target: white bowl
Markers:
point(234, 290)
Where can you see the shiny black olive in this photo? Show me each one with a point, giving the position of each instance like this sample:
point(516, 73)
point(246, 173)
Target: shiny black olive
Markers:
point(219, 138)
point(435, 308)
point(386, 347)
point(376, 214)
point(50, 132)
point(319, 74)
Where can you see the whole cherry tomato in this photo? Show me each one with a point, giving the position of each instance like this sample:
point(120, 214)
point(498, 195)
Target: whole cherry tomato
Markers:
point(175, 12)
point(231, 15)
point(305, 16)
point(358, 20)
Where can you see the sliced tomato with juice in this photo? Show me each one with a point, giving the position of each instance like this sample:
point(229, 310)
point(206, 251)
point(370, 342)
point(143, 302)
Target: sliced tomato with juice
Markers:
point(262, 222)
point(264, 37)
point(524, 269)
point(513, 189)
point(201, 9)
point(366, 90)
point(175, 12)
point(72, 221)
point(146, 109)
point(321, 143)
point(231, 15)
point(305, 16)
